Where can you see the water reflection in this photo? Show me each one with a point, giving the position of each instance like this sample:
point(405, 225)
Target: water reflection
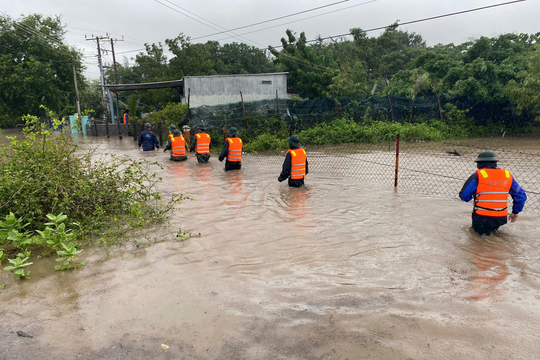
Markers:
point(202, 172)
point(236, 196)
point(489, 257)
point(295, 200)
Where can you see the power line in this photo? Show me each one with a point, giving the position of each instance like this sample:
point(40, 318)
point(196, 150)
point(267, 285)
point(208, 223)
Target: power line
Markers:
point(274, 19)
point(422, 20)
point(307, 18)
point(370, 30)
point(192, 18)
point(178, 6)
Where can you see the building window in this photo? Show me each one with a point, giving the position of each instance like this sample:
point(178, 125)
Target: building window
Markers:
point(267, 82)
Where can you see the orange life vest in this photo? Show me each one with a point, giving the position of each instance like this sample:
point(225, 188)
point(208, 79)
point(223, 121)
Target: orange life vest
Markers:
point(178, 146)
point(298, 163)
point(126, 118)
point(491, 197)
point(203, 143)
point(235, 149)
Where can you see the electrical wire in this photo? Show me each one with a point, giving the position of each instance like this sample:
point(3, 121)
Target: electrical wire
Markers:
point(422, 20)
point(274, 19)
point(210, 26)
point(307, 18)
point(229, 31)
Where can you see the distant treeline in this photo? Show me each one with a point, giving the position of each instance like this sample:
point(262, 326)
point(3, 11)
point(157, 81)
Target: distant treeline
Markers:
point(495, 80)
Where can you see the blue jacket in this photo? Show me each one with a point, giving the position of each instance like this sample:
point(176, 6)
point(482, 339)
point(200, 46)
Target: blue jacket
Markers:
point(518, 194)
point(148, 140)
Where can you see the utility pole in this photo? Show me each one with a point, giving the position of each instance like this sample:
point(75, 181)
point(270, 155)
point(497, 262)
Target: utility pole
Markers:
point(97, 39)
point(76, 90)
point(117, 81)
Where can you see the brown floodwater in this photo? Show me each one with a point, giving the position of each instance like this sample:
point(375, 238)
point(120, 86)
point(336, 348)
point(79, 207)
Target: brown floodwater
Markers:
point(341, 269)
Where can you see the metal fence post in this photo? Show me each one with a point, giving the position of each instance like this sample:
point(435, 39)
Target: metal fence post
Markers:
point(397, 161)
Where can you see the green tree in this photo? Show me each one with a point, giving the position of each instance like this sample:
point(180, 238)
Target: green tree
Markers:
point(35, 67)
point(525, 90)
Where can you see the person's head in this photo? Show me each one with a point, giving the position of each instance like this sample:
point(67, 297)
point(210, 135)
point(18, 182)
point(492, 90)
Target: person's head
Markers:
point(233, 131)
point(176, 132)
point(486, 159)
point(202, 128)
point(127, 111)
point(294, 142)
point(172, 128)
point(147, 126)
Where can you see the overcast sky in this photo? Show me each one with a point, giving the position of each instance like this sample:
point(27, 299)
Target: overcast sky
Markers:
point(149, 21)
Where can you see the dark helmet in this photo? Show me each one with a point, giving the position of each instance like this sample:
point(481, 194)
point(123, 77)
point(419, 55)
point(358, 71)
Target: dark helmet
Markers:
point(148, 126)
point(172, 128)
point(176, 132)
point(294, 141)
point(486, 156)
point(233, 131)
point(202, 127)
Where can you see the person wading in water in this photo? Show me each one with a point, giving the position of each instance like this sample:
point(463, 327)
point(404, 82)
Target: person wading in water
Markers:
point(232, 150)
point(295, 166)
point(490, 187)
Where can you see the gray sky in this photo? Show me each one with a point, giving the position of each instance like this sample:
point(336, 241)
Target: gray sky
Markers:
point(143, 21)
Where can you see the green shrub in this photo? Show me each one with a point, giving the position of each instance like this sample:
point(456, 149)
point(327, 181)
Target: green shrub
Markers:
point(266, 142)
point(43, 174)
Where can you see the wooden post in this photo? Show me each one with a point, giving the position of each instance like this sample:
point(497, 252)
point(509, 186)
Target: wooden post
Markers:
point(224, 134)
point(243, 107)
point(243, 110)
point(397, 161)
point(277, 105)
point(391, 108)
point(188, 96)
point(439, 101)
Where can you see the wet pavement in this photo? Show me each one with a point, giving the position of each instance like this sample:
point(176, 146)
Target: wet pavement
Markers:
point(341, 269)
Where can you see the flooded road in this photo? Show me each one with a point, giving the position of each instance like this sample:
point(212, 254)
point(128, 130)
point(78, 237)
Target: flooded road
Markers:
point(342, 269)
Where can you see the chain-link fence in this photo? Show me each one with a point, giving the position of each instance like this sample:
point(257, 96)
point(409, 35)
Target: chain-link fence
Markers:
point(431, 168)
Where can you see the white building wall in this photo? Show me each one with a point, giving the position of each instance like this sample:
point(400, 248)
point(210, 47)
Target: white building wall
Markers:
point(225, 89)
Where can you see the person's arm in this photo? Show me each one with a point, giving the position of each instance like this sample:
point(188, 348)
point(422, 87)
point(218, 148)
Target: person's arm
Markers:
point(156, 141)
point(193, 144)
point(519, 197)
point(468, 191)
point(286, 169)
point(306, 166)
point(224, 152)
point(168, 145)
point(141, 138)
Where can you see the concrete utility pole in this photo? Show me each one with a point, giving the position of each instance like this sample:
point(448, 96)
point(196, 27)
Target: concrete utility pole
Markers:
point(76, 90)
point(97, 39)
point(117, 81)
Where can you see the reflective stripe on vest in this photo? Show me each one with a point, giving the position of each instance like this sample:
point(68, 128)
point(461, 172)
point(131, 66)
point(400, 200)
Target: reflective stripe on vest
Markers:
point(492, 192)
point(203, 143)
point(178, 146)
point(235, 149)
point(298, 163)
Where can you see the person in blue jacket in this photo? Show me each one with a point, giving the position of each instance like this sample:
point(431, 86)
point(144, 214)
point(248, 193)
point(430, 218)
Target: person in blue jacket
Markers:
point(148, 139)
point(489, 192)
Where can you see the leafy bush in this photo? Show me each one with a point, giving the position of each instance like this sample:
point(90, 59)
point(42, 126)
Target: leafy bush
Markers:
point(346, 130)
point(43, 174)
point(266, 142)
point(171, 114)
